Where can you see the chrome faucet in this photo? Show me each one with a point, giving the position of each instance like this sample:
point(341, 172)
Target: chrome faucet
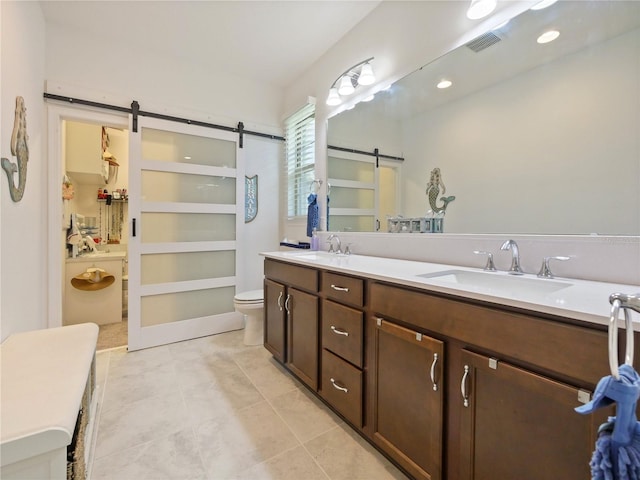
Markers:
point(515, 257)
point(338, 244)
point(545, 271)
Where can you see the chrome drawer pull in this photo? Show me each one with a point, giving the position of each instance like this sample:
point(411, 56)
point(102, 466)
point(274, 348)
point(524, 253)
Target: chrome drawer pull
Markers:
point(433, 372)
point(463, 386)
point(337, 331)
point(338, 387)
point(340, 289)
point(280, 300)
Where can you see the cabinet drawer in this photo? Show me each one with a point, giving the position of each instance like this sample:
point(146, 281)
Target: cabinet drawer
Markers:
point(342, 331)
point(301, 277)
point(343, 288)
point(342, 387)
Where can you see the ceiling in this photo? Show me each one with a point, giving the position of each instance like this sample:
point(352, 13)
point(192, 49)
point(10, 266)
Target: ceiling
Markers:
point(270, 41)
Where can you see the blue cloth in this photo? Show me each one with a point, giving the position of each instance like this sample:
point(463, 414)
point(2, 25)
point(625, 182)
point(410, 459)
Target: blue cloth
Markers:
point(328, 213)
point(617, 452)
point(313, 214)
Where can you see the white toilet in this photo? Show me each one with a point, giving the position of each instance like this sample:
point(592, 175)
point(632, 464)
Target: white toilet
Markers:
point(251, 305)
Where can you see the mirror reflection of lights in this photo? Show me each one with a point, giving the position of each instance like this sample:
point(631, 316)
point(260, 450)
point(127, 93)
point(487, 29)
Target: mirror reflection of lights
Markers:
point(369, 98)
point(444, 83)
point(481, 8)
point(548, 36)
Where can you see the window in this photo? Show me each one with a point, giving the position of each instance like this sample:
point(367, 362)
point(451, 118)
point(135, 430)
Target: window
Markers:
point(300, 139)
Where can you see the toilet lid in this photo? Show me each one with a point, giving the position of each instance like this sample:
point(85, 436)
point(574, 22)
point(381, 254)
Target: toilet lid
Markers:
point(253, 296)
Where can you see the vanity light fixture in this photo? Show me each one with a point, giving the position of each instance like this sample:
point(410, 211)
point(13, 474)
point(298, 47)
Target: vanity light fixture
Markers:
point(543, 4)
point(444, 83)
point(360, 74)
point(481, 8)
point(548, 36)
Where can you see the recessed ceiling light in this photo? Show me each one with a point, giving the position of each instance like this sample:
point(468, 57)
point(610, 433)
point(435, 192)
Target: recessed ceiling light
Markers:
point(548, 36)
point(187, 158)
point(543, 4)
point(481, 8)
point(444, 83)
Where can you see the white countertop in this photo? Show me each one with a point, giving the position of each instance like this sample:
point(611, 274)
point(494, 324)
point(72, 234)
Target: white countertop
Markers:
point(44, 375)
point(575, 299)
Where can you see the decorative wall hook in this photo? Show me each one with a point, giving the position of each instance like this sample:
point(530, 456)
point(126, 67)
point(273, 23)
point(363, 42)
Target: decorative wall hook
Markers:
point(20, 150)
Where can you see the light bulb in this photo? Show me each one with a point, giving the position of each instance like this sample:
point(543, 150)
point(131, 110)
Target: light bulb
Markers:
point(444, 83)
point(366, 75)
point(333, 98)
point(346, 86)
point(548, 36)
point(481, 8)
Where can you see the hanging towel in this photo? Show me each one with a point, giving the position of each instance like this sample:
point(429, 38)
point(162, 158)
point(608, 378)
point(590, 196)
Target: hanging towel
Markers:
point(313, 214)
point(328, 213)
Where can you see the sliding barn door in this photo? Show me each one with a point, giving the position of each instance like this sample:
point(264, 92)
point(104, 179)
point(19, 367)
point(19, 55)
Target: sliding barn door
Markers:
point(186, 193)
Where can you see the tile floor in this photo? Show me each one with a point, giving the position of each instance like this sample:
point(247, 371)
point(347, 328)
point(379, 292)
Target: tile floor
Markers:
point(214, 409)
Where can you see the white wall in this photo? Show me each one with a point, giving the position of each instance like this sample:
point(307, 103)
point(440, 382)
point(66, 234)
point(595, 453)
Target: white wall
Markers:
point(104, 68)
point(23, 228)
point(545, 139)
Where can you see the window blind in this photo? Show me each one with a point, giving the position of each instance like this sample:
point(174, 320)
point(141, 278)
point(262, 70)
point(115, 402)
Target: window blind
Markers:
point(300, 139)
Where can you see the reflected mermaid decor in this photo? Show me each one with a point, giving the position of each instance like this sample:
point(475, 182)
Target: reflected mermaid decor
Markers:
point(433, 190)
point(20, 150)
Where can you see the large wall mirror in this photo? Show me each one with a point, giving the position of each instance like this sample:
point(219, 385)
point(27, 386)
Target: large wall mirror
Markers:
point(530, 138)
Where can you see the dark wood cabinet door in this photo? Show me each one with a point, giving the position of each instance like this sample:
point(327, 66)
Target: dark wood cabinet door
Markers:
point(408, 401)
point(517, 424)
point(302, 336)
point(274, 319)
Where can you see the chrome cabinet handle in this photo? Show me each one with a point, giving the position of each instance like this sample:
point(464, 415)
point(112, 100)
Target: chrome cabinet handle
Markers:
point(337, 331)
point(338, 387)
point(280, 300)
point(433, 372)
point(286, 304)
point(340, 289)
point(463, 386)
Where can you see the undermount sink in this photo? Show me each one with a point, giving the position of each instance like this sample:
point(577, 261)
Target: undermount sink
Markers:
point(498, 282)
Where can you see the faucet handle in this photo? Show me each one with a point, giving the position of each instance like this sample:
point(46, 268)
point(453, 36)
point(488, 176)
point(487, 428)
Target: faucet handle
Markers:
point(545, 271)
point(489, 267)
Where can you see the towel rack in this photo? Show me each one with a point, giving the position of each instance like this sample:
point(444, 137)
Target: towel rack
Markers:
point(314, 186)
point(625, 302)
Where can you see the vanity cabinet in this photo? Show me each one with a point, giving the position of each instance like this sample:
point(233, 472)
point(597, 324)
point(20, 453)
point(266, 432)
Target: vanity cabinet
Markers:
point(517, 424)
point(445, 386)
point(407, 398)
point(343, 345)
point(275, 324)
point(291, 318)
point(511, 382)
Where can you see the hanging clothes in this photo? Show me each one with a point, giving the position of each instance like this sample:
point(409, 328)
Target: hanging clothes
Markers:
point(313, 214)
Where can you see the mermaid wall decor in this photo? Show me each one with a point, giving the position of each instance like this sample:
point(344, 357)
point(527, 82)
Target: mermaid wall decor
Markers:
point(433, 190)
point(20, 150)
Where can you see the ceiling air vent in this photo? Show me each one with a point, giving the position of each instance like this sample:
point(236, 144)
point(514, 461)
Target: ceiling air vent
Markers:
point(483, 41)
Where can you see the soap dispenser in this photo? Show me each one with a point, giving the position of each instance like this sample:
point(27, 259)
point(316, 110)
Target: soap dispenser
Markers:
point(314, 240)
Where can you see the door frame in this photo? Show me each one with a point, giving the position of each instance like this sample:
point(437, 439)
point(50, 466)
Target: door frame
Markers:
point(56, 252)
